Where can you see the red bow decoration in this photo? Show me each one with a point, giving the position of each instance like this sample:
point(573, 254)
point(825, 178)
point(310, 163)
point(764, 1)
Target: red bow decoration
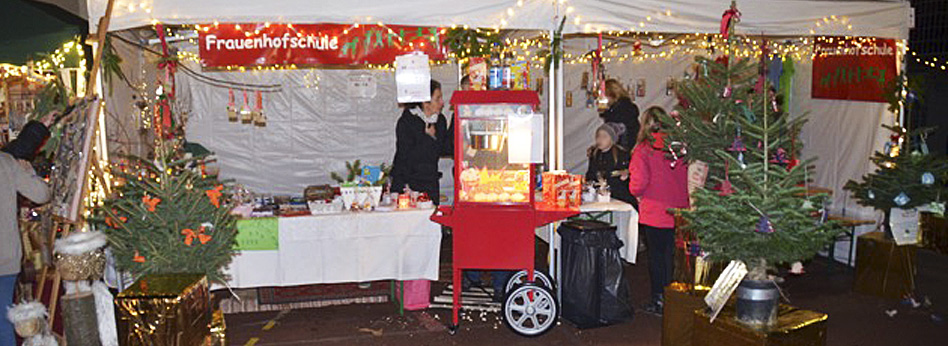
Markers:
point(138, 258)
point(731, 17)
point(190, 235)
point(151, 202)
point(111, 222)
point(215, 195)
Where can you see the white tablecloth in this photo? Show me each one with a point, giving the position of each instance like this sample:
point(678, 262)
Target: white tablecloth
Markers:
point(626, 220)
point(348, 247)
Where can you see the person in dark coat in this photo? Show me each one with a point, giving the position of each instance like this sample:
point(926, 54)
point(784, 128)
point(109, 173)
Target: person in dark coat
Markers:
point(421, 138)
point(622, 113)
point(31, 139)
point(610, 161)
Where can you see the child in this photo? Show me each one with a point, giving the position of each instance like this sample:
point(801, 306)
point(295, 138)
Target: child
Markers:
point(610, 162)
point(660, 184)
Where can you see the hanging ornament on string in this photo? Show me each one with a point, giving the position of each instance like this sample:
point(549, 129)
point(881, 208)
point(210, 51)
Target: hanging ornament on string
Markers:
point(727, 92)
point(231, 106)
point(923, 143)
point(763, 224)
point(780, 157)
point(745, 111)
point(726, 188)
point(870, 194)
point(762, 67)
point(928, 178)
point(902, 199)
point(676, 148)
point(738, 146)
point(246, 116)
point(259, 118)
point(166, 85)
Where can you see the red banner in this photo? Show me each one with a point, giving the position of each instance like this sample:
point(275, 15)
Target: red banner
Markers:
point(857, 69)
point(252, 45)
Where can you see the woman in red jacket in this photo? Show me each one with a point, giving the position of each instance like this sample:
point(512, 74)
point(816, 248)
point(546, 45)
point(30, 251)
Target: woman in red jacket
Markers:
point(660, 184)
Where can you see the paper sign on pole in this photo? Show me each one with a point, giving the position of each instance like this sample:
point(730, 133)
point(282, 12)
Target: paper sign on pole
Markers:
point(413, 78)
point(904, 223)
point(724, 287)
point(525, 138)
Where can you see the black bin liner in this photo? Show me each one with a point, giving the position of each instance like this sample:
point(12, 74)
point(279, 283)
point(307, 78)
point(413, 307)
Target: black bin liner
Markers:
point(595, 291)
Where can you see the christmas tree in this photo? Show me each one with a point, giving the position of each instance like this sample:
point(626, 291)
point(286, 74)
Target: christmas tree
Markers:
point(753, 206)
point(902, 180)
point(168, 217)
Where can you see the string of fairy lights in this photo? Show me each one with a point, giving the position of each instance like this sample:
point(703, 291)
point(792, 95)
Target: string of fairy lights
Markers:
point(40, 70)
point(640, 43)
point(933, 62)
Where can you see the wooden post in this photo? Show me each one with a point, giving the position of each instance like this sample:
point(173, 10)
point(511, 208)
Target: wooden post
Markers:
point(100, 34)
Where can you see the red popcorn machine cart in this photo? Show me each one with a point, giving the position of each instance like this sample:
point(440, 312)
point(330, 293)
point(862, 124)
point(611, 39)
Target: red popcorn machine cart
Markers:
point(498, 138)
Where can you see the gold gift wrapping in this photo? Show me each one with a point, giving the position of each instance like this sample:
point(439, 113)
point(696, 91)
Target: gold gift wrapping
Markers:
point(794, 327)
point(87, 266)
point(218, 329)
point(165, 310)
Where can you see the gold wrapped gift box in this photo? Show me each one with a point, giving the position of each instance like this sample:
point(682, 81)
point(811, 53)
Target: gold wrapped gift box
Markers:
point(690, 268)
point(794, 327)
point(165, 310)
point(934, 231)
point(883, 268)
point(681, 301)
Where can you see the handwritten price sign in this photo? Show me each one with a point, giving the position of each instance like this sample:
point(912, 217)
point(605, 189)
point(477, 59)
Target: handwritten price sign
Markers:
point(258, 234)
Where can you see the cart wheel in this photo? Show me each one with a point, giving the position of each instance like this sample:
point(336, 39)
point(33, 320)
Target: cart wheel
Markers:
point(530, 310)
point(521, 277)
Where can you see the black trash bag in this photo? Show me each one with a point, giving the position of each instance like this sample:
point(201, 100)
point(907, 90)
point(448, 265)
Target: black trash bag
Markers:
point(595, 290)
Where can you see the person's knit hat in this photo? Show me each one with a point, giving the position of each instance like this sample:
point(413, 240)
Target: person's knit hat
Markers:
point(611, 130)
point(29, 142)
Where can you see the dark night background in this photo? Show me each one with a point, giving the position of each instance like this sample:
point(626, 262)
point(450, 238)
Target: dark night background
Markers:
point(929, 40)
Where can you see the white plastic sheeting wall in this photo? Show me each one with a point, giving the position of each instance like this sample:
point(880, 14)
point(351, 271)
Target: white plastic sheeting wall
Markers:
point(309, 132)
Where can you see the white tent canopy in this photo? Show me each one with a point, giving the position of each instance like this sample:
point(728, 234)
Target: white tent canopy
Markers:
point(770, 17)
point(312, 133)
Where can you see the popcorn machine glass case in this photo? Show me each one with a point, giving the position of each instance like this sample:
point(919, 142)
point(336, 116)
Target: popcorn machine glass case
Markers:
point(486, 176)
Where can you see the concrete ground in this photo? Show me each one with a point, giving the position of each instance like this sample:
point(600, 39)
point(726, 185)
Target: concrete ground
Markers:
point(854, 319)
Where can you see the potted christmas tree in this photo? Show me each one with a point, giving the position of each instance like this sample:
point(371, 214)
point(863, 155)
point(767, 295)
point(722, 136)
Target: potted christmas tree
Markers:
point(754, 206)
point(169, 218)
point(902, 180)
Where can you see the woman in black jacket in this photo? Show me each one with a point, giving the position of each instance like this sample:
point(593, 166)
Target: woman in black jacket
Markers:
point(421, 138)
point(610, 161)
point(622, 113)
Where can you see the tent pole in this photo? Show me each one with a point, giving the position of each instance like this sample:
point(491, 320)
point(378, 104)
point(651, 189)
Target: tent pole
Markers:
point(560, 107)
point(551, 132)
